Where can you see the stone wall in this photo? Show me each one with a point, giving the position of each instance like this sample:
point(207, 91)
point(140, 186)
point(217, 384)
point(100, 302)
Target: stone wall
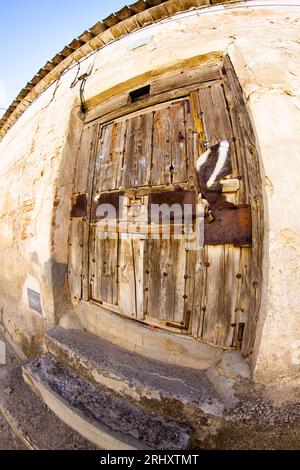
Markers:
point(38, 158)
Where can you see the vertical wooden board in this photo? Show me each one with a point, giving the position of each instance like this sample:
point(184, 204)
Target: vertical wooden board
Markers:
point(133, 143)
point(75, 258)
point(241, 153)
point(140, 246)
point(131, 276)
point(190, 278)
point(166, 268)
point(144, 156)
point(247, 158)
point(83, 159)
point(153, 280)
point(197, 121)
point(199, 293)
point(216, 119)
point(119, 151)
point(231, 291)
point(97, 161)
point(251, 319)
point(247, 294)
point(177, 285)
point(103, 157)
point(104, 271)
point(162, 148)
point(97, 131)
point(214, 327)
point(250, 192)
point(110, 157)
point(179, 143)
point(138, 151)
point(193, 143)
point(127, 285)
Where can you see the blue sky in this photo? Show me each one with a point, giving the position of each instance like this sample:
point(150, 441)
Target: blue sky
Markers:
point(33, 31)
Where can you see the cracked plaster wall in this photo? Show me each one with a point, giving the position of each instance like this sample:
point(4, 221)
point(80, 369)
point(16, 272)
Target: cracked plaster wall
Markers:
point(37, 164)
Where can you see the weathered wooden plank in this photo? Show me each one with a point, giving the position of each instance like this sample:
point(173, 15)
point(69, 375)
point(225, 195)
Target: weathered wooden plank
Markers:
point(108, 106)
point(235, 109)
point(216, 119)
point(75, 257)
point(110, 157)
point(251, 191)
point(197, 122)
point(107, 111)
point(104, 271)
point(189, 289)
point(127, 282)
point(103, 158)
point(177, 283)
point(83, 183)
point(243, 312)
point(86, 235)
point(166, 269)
point(139, 246)
point(197, 75)
point(199, 294)
point(192, 144)
point(214, 327)
point(138, 152)
point(83, 160)
point(215, 116)
point(231, 291)
point(179, 142)
point(161, 162)
point(131, 276)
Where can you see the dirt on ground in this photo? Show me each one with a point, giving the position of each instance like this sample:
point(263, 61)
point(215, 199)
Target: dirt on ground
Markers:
point(8, 440)
point(259, 422)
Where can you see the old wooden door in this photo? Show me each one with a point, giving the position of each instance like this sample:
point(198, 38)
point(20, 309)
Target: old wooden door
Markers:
point(140, 156)
point(199, 146)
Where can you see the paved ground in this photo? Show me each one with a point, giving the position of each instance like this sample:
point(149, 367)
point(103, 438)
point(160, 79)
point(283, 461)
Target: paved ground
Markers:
point(8, 441)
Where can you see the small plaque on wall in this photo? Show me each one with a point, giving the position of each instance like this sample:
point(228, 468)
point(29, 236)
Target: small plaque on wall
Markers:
point(34, 299)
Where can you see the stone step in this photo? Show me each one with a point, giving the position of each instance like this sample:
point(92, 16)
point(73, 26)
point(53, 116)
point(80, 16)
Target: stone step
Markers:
point(102, 417)
point(30, 419)
point(151, 383)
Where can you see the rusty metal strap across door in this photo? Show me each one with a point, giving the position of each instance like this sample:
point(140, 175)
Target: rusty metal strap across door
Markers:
point(232, 225)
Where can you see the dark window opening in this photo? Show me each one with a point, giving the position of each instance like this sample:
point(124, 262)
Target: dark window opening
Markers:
point(140, 93)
